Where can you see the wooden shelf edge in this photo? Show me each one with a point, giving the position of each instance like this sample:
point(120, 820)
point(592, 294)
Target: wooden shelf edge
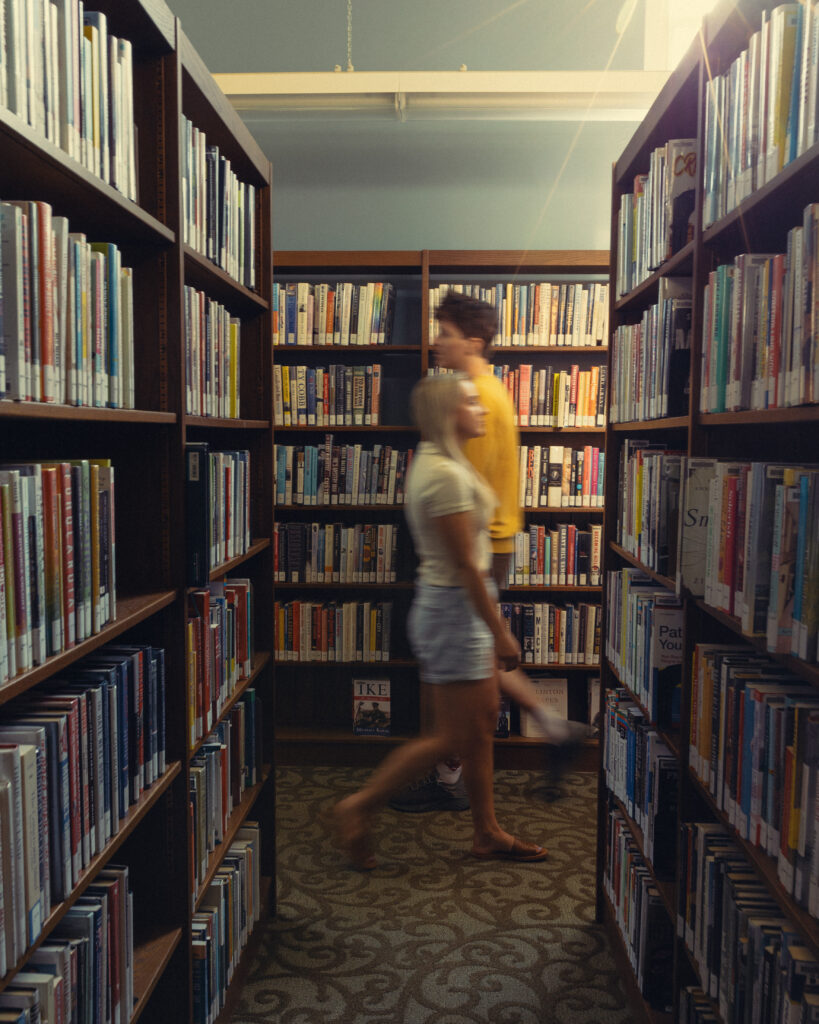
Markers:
point(672, 740)
point(151, 958)
point(260, 661)
point(670, 268)
point(347, 428)
point(663, 581)
point(130, 612)
point(664, 423)
point(400, 585)
point(49, 411)
point(763, 417)
point(233, 563)
point(222, 423)
point(523, 350)
point(363, 665)
point(287, 260)
point(236, 291)
point(134, 816)
point(344, 349)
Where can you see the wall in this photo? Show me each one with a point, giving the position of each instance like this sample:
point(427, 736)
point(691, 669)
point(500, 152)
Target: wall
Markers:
point(429, 184)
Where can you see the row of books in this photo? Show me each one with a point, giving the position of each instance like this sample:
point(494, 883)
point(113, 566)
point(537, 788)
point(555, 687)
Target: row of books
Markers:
point(655, 220)
point(561, 556)
point(760, 339)
point(651, 360)
point(339, 474)
point(84, 971)
point(556, 398)
point(554, 476)
point(218, 649)
point(222, 924)
point(67, 329)
point(752, 961)
point(332, 630)
point(551, 634)
point(217, 500)
point(227, 763)
point(761, 113)
point(753, 743)
point(335, 552)
point(57, 558)
point(344, 313)
point(538, 314)
point(332, 396)
point(213, 380)
point(648, 504)
point(71, 80)
point(644, 634)
point(643, 774)
point(218, 210)
point(73, 758)
point(641, 917)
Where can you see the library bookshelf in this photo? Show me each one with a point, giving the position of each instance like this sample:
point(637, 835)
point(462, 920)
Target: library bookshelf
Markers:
point(314, 705)
point(758, 223)
point(146, 445)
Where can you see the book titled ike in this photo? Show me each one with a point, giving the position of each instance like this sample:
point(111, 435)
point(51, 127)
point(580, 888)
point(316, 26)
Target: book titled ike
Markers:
point(371, 707)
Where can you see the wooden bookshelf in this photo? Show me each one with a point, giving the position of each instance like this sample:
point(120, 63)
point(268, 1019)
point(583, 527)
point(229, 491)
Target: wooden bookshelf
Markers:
point(314, 700)
point(759, 224)
point(147, 448)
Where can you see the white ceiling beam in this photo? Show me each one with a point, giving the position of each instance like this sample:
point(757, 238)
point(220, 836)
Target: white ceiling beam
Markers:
point(413, 95)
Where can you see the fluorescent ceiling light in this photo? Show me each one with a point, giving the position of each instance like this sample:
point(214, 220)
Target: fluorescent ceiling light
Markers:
point(452, 95)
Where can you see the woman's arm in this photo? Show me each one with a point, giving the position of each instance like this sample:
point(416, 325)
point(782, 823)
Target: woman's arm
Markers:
point(458, 532)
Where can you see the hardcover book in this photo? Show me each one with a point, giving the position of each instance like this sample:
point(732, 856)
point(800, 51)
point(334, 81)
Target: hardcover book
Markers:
point(371, 707)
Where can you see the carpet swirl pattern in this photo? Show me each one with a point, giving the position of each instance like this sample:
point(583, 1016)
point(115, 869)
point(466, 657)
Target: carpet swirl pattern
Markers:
point(433, 936)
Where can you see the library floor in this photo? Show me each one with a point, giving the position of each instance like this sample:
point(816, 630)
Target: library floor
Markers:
point(433, 936)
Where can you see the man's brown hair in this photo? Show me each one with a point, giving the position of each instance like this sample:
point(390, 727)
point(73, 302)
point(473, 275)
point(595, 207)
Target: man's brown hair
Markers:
point(473, 317)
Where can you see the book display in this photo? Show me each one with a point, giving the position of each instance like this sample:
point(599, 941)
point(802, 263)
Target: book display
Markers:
point(135, 692)
point(353, 331)
point(707, 863)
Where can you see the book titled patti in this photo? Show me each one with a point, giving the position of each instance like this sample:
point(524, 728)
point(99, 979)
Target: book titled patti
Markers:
point(371, 707)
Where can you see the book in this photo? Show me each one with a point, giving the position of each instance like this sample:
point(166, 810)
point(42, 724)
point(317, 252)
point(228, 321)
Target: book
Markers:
point(371, 707)
point(553, 694)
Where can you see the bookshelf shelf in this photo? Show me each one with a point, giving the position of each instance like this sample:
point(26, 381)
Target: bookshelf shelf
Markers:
point(218, 423)
point(79, 413)
point(135, 815)
point(208, 277)
point(671, 738)
point(261, 660)
point(414, 275)
point(256, 548)
point(762, 222)
point(284, 663)
point(151, 959)
point(564, 510)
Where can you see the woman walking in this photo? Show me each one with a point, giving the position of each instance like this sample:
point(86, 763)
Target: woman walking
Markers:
point(455, 630)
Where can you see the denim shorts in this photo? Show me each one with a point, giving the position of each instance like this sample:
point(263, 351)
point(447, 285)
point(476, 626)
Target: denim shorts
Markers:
point(450, 641)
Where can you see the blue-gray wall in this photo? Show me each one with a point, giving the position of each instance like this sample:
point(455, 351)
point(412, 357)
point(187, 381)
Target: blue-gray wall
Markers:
point(383, 184)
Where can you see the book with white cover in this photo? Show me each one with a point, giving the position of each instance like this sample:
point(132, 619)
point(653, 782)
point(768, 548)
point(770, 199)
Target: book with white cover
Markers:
point(553, 694)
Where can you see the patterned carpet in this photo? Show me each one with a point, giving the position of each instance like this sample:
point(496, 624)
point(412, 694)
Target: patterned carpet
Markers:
point(433, 936)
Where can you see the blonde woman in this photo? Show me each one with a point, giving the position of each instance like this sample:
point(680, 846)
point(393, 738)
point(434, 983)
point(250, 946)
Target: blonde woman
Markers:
point(456, 632)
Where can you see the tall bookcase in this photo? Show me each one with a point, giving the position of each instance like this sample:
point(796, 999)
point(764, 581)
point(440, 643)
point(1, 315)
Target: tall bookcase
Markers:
point(314, 699)
point(146, 446)
point(759, 223)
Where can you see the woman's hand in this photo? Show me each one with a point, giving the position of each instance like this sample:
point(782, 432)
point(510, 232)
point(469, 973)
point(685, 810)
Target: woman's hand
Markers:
point(507, 650)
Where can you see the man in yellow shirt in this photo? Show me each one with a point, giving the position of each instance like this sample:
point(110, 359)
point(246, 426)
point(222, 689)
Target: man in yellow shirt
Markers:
point(466, 327)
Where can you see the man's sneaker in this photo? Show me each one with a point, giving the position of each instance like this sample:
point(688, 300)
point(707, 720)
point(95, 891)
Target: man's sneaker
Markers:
point(429, 794)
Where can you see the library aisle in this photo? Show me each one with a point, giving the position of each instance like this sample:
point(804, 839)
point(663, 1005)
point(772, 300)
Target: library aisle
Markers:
point(432, 934)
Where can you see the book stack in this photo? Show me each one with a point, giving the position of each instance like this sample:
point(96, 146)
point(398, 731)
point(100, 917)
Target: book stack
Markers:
point(556, 398)
point(640, 915)
point(644, 631)
point(335, 552)
point(761, 113)
point(218, 210)
point(648, 510)
point(223, 922)
point(562, 555)
point(340, 314)
point(760, 347)
point(226, 763)
point(67, 331)
point(538, 314)
point(217, 492)
point(643, 774)
point(553, 476)
point(339, 474)
point(655, 219)
point(332, 396)
point(651, 360)
point(218, 649)
point(66, 76)
point(212, 357)
point(332, 630)
point(57, 558)
point(551, 634)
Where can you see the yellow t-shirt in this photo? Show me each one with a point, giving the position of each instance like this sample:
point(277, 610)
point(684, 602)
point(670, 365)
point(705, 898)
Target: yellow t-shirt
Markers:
point(496, 458)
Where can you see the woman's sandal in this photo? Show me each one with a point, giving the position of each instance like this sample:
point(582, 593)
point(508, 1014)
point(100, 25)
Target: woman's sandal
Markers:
point(520, 851)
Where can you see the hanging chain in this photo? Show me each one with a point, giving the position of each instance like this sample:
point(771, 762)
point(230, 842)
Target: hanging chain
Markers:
point(350, 35)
